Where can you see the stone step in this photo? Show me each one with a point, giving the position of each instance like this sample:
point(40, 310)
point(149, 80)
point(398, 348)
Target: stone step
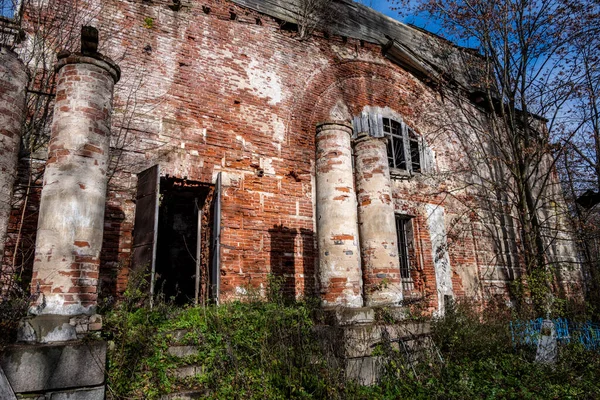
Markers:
point(187, 395)
point(183, 351)
point(186, 371)
point(177, 335)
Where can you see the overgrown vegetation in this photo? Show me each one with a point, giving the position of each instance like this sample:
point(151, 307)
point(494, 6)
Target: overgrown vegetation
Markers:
point(271, 350)
point(250, 350)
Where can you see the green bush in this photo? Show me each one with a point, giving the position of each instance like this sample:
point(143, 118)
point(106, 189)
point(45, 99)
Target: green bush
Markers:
point(272, 350)
point(247, 350)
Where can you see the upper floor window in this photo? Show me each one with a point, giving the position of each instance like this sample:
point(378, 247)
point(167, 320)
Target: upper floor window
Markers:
point(403, 148)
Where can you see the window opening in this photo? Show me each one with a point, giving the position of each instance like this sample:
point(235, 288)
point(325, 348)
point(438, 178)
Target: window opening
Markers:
point(404, 234)
point(403, 146)
point(415, 151)
point(395, 143)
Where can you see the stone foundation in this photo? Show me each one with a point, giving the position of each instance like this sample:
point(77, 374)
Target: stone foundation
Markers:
point(353, 335)
point(61, 371)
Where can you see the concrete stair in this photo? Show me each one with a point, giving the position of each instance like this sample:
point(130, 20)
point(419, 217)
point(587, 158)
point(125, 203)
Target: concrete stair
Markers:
point(180, 350)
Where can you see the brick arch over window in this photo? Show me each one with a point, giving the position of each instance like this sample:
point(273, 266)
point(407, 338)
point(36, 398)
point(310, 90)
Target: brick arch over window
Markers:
point(357, 84)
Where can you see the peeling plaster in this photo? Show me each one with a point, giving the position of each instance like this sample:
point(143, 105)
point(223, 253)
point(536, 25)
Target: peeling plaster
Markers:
point(265, 83)
point(441, 260)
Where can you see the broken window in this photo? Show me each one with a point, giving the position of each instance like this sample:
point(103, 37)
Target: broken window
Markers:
point(403, 148)
point(404, 234)
point(176, 236)
point(395, 144)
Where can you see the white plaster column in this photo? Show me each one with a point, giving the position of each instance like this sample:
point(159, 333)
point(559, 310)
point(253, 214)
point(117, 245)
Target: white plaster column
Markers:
point(71, 221)
point(377, 223)
point(337, 231)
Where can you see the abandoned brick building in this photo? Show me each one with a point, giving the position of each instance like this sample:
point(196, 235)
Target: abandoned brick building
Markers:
point(211, 145)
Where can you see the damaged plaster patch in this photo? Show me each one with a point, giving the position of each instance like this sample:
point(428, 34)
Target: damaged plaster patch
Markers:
point(441, 261)
point(267, 165)
point(265, 83)
point(278, 129)
point(339, 112)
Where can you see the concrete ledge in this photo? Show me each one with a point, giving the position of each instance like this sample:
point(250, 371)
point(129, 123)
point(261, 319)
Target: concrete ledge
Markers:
point(43, 368)
point(96, 393)
point(183, 351)
point(349, 316)
point(6, 392)
point(364, 370)
point(186, 371)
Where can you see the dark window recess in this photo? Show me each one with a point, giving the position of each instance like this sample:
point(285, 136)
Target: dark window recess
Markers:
point(404, 233)
point(415, 155)
point(399, 156)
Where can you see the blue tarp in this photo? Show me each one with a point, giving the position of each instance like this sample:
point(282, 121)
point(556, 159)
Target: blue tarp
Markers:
point(529, 332)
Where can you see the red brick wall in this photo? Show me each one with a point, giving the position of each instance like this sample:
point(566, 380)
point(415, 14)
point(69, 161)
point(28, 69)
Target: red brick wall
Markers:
point(203, 93)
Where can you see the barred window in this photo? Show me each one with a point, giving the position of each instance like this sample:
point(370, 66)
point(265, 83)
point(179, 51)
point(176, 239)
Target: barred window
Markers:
point(404, 234)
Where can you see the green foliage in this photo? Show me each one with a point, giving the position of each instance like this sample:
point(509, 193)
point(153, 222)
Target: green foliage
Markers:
point(251, 350)
point(12, 309)
point(273, 350)
point(480, 362)
point(148, 23)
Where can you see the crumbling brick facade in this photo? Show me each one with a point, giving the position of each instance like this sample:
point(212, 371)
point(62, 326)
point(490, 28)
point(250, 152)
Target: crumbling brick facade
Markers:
point(214, 88)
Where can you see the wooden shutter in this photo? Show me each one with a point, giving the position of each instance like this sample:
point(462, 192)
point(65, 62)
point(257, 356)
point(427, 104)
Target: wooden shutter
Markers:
point(146, 222)
point(215, 267)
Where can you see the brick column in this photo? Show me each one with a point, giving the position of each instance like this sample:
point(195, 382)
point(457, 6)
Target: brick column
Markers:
point(71, 222)
point(13, 82)
point(337, 231)
point(377, 223)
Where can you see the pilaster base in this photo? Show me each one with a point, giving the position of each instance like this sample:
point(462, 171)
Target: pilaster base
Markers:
point(73, 371)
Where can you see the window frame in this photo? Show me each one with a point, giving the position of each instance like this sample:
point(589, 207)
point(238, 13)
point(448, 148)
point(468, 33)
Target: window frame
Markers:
point(404, 238)
point(408, 161)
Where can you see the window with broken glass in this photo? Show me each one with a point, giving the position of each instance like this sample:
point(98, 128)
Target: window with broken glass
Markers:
point(403, 148)
point(405, 236)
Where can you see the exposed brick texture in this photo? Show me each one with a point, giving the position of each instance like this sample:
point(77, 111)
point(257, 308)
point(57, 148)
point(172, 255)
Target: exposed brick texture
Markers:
point(378, 237)
point(13, 81)
point(70, 225)
point(203, 94)
point(337, 222)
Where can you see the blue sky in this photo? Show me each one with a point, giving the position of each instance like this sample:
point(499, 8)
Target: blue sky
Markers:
point(384, 6)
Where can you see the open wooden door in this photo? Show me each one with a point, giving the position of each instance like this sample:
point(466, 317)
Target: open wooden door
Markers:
point(146, 222)
point(215, 267)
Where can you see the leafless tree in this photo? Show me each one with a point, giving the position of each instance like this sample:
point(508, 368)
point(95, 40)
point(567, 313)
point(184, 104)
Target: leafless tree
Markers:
point(313, 14)
point(510, 157)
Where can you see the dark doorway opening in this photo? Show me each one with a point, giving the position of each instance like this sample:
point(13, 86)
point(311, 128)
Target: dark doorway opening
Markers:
point(183, 242)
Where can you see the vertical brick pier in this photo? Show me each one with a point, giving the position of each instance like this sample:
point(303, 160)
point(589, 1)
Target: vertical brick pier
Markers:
point(71, 222)
point(337, 231)
point(13, 82)
point(377, 223)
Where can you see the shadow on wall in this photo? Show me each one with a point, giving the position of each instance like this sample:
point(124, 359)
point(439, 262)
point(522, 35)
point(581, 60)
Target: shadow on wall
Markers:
point(109, 256)
point(17, 263)
point(293, 274)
